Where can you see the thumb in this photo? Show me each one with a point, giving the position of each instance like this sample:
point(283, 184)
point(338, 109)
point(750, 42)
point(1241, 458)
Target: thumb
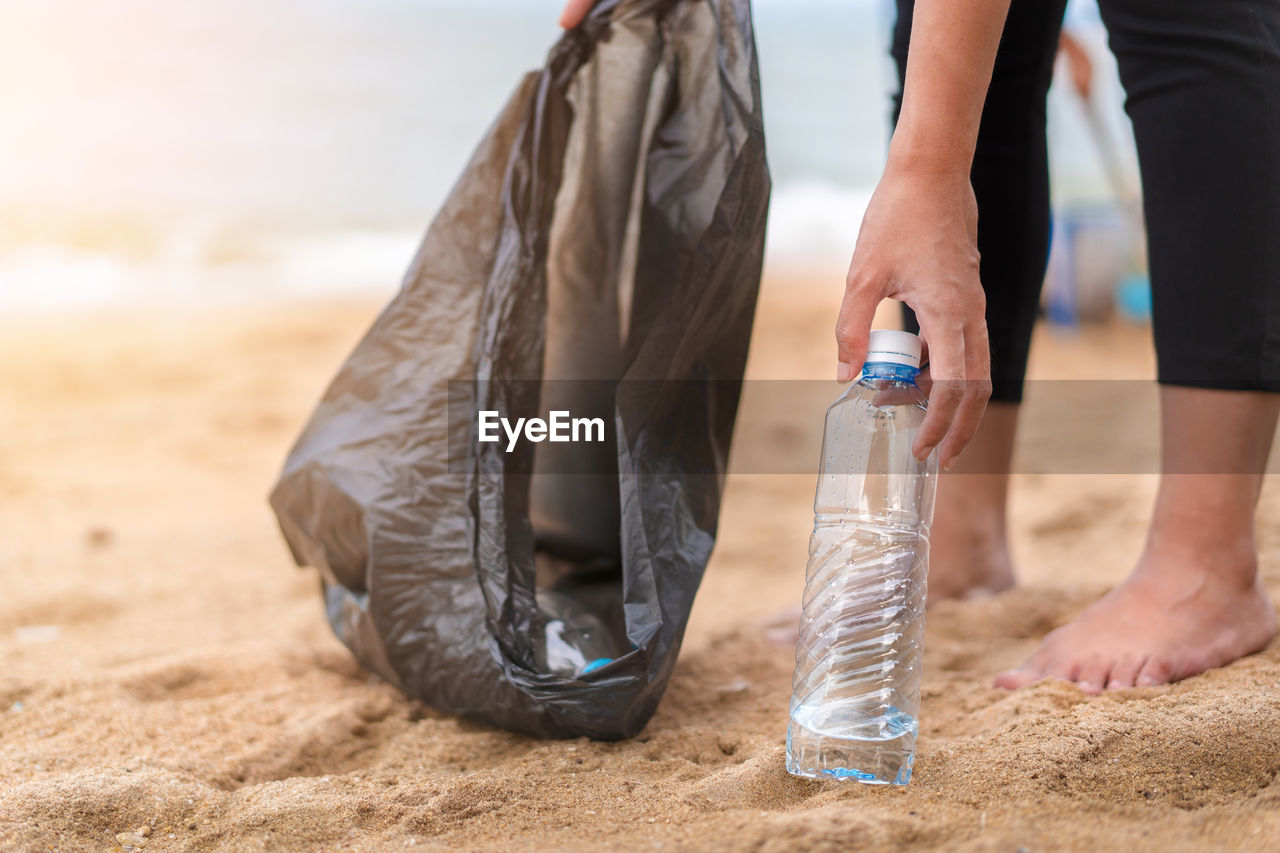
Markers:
point(853, 329)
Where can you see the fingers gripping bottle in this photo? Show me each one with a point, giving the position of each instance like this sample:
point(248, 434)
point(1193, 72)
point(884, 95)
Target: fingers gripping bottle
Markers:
point(856, 691)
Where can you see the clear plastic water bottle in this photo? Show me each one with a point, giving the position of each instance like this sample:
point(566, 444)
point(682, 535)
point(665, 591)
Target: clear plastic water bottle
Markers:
point(856, 691)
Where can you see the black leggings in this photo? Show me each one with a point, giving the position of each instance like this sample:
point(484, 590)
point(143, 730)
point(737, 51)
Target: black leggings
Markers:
point(1202, 79)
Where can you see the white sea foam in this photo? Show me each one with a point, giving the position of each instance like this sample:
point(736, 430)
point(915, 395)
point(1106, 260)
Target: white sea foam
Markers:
point(813, 224)
point(46, 277)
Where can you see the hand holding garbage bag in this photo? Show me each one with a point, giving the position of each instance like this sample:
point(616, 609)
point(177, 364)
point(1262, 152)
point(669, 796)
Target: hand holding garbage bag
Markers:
point(601, 254)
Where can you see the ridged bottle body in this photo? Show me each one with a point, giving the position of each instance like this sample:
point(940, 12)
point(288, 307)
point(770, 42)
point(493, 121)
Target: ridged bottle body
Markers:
point(856, 691)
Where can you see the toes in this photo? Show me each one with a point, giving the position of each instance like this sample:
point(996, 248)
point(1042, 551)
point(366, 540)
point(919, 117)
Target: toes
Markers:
point(1032, 669)
point(1012, 679)
point(1065, 669)
point(1125, 673)
point(1173, 667)
point(1094, 675)
point(1155, 671)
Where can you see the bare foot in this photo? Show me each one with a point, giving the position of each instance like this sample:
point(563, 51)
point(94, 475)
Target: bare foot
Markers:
point(969, 558)
point(969, 546)
point(970, 541)
point(969, 550)
point(1179, 614)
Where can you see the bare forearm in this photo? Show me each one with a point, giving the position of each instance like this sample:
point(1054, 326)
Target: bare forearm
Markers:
point(918, 241)
point(953, 49)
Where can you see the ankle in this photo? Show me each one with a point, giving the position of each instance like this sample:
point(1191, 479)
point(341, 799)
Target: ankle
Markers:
point(974, 527)
point(1230, 559)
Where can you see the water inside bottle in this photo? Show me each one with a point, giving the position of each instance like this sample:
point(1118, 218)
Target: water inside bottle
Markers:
point(856, 691)
point(848, 719)
point(839, 741)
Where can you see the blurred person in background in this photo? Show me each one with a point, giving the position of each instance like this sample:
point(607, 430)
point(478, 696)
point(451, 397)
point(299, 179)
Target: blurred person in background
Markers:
point(958, 231)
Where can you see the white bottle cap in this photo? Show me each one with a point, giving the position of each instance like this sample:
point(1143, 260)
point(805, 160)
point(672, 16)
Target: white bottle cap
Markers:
point(894, 347)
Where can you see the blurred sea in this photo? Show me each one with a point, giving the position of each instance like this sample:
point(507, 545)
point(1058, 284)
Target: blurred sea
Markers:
point(198, 150)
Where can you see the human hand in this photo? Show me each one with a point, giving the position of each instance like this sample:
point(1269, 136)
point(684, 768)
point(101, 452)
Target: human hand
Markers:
point(574, 12)
point(918, 244)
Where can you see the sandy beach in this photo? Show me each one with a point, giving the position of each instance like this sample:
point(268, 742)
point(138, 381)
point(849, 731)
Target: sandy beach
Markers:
point(168, 681)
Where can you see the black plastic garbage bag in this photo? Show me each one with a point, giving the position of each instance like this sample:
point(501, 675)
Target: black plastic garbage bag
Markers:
point(601, 254)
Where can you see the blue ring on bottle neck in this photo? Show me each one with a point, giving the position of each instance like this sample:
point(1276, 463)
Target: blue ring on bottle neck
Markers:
point(889, 370)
